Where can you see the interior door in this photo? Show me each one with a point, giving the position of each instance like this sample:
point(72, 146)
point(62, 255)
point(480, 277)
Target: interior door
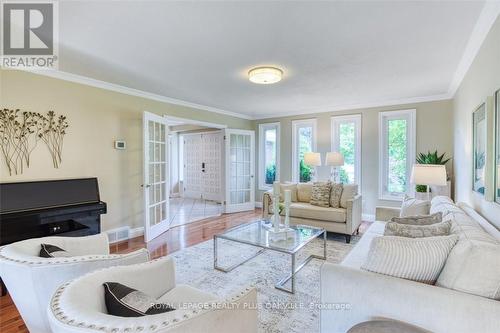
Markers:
point(240, 165)
point(156, 175)
point(211, 166)
point(192, 166)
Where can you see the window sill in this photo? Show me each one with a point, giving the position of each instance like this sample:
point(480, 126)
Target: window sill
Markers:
point(391, 198)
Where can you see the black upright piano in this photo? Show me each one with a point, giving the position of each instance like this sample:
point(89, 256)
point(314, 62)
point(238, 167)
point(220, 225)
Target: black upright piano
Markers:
point(68, 207)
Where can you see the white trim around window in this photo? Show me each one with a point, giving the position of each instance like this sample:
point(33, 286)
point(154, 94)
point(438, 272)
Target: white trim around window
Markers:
point(336, 121)
point(384, 118)
point(262, 167)
point(296, 125)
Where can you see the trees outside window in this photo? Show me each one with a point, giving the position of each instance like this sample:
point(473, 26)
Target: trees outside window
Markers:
point(346, 139)
point(397, 144)
point(304, 141)
point(269, 135)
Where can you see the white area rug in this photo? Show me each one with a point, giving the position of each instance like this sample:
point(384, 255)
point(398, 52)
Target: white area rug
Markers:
point(280, 311)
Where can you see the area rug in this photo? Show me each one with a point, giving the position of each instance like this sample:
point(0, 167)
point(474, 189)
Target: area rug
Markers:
point(279, 311)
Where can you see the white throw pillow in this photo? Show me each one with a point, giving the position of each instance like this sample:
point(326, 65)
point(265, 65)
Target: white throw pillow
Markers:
point(417, 259)
point(304, 191)
point(414, 207)
point(288, 186)
point(473, 267)
point(348, 193)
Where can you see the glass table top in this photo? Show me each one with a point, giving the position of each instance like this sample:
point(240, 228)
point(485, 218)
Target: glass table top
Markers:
point(257, 233)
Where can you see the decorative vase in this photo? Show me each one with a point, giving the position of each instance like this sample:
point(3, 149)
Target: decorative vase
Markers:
point(288, 200)
point(276, 209)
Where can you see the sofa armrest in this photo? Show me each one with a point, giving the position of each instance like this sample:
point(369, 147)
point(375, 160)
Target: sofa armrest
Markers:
point(384, 214)
point(367, 296)
point(354, 213)
point(267, 200)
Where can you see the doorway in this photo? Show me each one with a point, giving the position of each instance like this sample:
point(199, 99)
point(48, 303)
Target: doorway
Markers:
point(196, 160)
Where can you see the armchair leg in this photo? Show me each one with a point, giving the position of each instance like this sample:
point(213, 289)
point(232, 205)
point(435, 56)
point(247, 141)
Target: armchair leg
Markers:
point(347, 239)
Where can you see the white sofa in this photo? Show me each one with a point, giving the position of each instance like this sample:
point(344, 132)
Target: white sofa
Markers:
point(359, 295)
point(79, 306)
point(343, 220)
point(32, 280)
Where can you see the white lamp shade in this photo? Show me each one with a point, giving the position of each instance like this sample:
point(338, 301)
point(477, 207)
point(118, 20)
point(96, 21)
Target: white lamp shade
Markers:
point(429, 174)
point(334, 159)
point(312, 159)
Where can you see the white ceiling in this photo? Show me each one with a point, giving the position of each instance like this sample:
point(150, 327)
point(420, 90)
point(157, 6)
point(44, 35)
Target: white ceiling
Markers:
point(334, 54)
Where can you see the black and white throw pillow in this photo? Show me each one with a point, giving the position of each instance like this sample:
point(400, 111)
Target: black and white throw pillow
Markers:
point(52, 251)
point(123, 301)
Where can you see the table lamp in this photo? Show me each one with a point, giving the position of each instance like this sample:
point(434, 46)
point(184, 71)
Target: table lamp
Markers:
point(429, 174)
point(313, 160)
point(334, 160)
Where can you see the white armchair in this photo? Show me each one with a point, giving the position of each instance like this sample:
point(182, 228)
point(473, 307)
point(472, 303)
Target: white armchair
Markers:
point(32, 280)
point(79, 305)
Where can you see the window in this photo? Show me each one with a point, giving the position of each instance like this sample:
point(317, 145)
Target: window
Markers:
point(269, 154)
point(304, 140)
point(397, 140)
point(346, 139)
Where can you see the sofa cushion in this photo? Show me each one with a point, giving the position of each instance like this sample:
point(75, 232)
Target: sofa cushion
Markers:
point(304, 192)
point(288, 186)
point(308, 211)
point(414, 207)
point(468, 229)
point(445, 206)
point(417, 259)
point(417, 231)
point(335, 194)
point(320, 194)
point(419, 220)
point(349, 191)
point(357, 256)
point(473, 267)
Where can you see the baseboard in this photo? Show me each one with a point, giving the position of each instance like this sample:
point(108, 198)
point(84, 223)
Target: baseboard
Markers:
point(136, 232)
point(258, 204)
point(368, 217)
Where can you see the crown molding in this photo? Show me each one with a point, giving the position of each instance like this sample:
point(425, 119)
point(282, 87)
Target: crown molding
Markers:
point(487, 18)
point(354, 107)
point(133, 92)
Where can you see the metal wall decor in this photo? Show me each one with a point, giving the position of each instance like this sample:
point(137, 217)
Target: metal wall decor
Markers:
point(20, 133)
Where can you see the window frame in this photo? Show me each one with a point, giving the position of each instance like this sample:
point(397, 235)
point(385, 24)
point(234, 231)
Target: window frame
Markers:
point(336, 121)
point(384, 117)
point(262, 128)
point(296, 125)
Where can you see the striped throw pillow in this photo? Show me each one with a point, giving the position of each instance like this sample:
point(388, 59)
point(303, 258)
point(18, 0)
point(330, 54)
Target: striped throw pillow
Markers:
point(417, 259)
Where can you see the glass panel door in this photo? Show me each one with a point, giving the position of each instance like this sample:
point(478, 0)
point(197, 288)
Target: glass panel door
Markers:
point(240, 184)
point(156, 175)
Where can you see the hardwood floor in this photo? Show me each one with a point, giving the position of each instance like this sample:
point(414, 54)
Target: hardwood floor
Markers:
point(173, 240)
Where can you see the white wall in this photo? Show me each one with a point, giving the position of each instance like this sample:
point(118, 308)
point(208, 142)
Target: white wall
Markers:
point(482, 80)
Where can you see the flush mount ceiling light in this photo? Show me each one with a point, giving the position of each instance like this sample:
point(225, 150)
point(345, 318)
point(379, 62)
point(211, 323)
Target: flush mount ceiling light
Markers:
point(265, 75)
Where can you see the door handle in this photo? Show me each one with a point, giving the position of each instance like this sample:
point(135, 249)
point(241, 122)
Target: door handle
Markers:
point(202, 166)
point(145, 185)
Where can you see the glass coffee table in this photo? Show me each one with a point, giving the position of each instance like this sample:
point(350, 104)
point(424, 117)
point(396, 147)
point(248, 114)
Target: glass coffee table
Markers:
point(258, 234)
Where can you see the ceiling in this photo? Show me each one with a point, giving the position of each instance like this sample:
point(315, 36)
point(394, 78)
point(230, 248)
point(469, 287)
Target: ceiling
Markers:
point(334, 54)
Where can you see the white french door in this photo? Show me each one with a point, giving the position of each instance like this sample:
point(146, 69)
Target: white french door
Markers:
point(156, 175)
point(202, 166)
point(240, 164)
